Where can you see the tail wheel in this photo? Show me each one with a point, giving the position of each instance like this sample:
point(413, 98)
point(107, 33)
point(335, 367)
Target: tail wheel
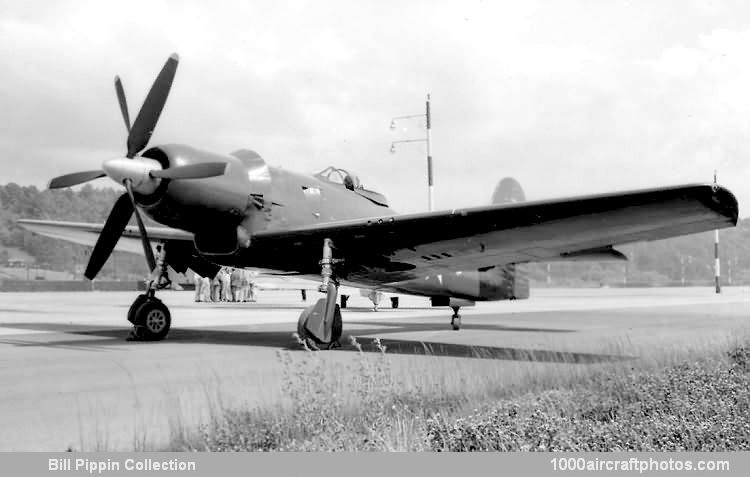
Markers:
point(154, 319)
point(456, 319)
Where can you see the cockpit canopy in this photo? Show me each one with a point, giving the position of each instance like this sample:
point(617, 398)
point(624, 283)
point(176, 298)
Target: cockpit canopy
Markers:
point(340, 176)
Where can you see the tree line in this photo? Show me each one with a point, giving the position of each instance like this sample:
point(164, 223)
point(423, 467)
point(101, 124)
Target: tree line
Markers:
point(87, 204)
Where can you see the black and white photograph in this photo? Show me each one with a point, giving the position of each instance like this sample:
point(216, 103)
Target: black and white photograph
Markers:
point(393, 226)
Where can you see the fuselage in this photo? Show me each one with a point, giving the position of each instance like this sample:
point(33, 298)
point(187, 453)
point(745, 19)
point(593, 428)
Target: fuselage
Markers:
point(225, 213)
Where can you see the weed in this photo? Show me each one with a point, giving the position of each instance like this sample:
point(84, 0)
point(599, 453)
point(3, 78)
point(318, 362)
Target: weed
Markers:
point(698, 406)
point(684, 400)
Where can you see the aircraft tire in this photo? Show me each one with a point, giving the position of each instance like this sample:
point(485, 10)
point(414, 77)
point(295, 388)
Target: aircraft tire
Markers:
point(312, 342)
point(154, 318)
point(302, 331)
point(140, 300)
point(456, 323)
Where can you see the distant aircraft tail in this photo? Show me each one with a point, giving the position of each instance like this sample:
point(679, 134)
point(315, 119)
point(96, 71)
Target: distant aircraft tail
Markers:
point(507, 281)
point(508, 190)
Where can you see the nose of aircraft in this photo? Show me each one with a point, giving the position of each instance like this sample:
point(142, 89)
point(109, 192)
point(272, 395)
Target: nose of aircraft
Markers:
point(137, 170)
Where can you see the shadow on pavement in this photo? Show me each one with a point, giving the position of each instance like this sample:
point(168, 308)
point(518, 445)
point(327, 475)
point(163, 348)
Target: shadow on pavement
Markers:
point(105, 339)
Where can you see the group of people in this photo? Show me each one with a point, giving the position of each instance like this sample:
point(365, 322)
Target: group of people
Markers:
point(230, 284)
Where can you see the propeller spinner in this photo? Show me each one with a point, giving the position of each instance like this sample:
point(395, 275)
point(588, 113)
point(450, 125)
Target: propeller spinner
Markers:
point(136, 173)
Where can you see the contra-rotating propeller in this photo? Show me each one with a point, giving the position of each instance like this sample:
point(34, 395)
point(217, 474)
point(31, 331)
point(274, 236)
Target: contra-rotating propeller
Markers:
point(134, 170)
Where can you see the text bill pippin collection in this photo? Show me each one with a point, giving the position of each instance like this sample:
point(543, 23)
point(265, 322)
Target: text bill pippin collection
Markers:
point(93, 466)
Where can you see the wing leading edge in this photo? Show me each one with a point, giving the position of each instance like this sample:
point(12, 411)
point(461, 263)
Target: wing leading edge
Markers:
point(394, 248)
point(87, 234)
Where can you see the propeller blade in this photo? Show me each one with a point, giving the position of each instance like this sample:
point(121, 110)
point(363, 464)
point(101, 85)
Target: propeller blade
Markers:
point(123, 102)
point(144, 237)
point(144, 124)
point(192, 171)
point(116, 222)
point(75, 178)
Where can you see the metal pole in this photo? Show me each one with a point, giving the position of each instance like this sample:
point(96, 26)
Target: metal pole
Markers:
point(682, 271)
point(717, 264)
point(430, 185)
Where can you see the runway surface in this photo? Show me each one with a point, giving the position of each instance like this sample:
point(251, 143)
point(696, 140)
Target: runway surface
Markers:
point(68, 379)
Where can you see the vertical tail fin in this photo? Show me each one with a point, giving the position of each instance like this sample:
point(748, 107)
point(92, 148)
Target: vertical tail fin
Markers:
point(508, 190)
point(508, 281)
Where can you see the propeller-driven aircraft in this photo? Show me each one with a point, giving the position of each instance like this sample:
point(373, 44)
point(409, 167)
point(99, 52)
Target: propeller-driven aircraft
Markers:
point(236, 210)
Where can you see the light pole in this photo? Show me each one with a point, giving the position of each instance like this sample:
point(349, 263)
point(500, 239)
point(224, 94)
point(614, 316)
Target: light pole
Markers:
point(427, 139)
point(682, 271)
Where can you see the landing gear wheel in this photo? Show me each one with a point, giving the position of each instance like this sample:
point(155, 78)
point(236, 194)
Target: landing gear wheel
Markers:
point(456, 322)
point(344, 299)
point(304, 335)
point(394, 302)
point(152, 320)
point(140, 300)
point(456, 319)
point(309, 338)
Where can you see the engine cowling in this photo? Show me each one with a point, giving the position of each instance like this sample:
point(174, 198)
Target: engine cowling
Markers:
point(216, 209)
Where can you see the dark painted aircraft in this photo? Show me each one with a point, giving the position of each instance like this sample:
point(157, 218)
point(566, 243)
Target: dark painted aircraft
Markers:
point(234, 209)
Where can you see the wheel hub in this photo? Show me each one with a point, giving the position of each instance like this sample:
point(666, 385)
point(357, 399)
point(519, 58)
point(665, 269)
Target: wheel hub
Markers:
point(155, 321)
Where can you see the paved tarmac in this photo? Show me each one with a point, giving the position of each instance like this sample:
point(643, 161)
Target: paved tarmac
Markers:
point(68, 379)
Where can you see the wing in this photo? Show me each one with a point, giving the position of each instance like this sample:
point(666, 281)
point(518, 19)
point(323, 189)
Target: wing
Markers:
point(87, 234)
point(402, 247)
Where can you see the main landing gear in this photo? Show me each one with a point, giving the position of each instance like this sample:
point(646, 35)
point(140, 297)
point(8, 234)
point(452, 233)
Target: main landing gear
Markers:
point(150, 316)
point(319, 326)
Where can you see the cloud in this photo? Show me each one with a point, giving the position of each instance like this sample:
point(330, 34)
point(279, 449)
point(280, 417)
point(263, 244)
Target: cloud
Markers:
point(570, 97)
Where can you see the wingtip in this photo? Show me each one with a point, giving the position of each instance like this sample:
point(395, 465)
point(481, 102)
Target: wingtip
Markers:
point(174, 56)
point(726, 202)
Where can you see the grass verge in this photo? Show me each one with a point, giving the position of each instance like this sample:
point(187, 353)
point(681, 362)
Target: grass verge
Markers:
point(691, 401)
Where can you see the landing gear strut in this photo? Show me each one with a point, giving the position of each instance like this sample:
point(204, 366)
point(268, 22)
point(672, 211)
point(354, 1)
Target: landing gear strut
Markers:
point(456, 318)
point(319, 326)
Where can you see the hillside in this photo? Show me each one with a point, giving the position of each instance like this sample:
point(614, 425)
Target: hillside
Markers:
point(87, 204)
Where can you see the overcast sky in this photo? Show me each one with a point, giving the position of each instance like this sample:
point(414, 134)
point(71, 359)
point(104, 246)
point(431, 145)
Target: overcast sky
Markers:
point(569, 97)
